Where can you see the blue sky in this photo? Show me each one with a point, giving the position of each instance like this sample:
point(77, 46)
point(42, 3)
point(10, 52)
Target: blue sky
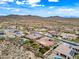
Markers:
point(46, 8)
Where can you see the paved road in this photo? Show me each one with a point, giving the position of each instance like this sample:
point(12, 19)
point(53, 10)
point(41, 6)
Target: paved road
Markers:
point(69, 42)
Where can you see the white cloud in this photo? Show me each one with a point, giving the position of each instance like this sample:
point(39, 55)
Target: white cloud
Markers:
point(52, 7)
point(6, 8)
point(63, 12)
point(35, 5)
point(11, 9)
point(2, 2)
point(18, 2)
point(53, 0)
point(49, 12)
point(66, 12)
point(33, 1)
point(16, 10)
point(66, 9)
point(6, 0)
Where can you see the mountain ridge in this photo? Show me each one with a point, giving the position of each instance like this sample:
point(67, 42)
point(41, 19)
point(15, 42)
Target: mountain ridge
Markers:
point(31, 17)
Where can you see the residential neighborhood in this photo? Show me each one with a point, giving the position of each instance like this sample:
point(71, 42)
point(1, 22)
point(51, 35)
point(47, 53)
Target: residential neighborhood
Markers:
point(38, 42)
point(39, 29)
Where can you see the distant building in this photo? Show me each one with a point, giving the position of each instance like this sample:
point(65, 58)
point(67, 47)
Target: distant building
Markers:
point(11, 37)
point(34, 36)
point(22, 41)
point(18, 33)
point(13, 32)
point(9, 31)
point(48, 34)
point(76, 47)
point(65, 50)
point(68, 30)
point(42, 29)
point(2, 34)
point(53, 33)
point(68, 36)
point(46, 41)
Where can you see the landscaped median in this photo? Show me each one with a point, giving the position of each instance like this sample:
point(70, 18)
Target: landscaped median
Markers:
point(35, 47)
point(77, 57)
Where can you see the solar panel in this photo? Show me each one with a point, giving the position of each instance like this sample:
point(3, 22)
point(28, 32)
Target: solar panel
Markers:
point(72, 52)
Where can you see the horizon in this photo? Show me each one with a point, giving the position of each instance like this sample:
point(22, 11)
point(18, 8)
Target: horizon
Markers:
point(36, 16)
point(43, 8)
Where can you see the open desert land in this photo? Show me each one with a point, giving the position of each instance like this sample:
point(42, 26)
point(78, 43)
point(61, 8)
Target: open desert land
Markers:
point(35, 37)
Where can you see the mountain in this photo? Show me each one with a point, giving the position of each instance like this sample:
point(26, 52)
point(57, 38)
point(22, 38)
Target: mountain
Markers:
point(30, 17)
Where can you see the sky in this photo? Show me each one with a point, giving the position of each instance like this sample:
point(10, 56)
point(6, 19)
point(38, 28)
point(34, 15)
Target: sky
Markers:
point(44, 8)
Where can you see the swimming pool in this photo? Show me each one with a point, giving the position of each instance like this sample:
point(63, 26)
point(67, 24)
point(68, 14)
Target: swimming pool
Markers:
point(57, 57)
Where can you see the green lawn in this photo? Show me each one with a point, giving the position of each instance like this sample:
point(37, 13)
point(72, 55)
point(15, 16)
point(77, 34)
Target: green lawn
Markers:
point(76, 57)
point(75, 40)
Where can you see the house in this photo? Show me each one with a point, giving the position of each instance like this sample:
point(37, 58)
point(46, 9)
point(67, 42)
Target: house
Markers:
point(48, 34)
point(2, 35)
point(34, 36)
point(9, 31)
point(18, 33)
point(53, 33)
point(76, 28)
point(42, 29)
point(2, 32)
point(65, 50)
point(22, 41)
point(46, 41)
point(11, 37)
point(12, 27)
point(15, 32)
point(68, 36)
point(76, 47)
point(68, 30)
